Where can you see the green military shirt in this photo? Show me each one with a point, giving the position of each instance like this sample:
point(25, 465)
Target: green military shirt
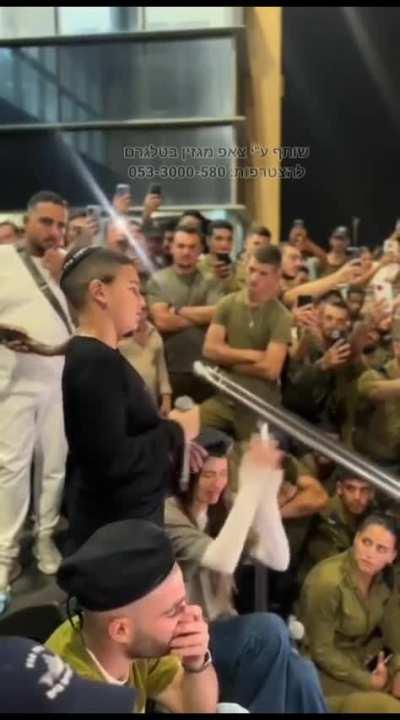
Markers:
point(382, 354)
point(296, 529)
point(377, 432)
point(222, 286)
point(149, 676)
point(182, 348)
point(333, 531)
point(339, 623)
point(326, 474)
point(307, 387)
point(253, 329)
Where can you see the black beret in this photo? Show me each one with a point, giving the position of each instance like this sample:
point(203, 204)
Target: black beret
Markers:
point(120, 563)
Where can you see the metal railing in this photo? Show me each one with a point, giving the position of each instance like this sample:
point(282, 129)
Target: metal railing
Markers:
point(302, 431)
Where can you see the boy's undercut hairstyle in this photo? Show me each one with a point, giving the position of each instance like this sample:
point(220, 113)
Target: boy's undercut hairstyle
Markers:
point(84, 264)
point(268, 256)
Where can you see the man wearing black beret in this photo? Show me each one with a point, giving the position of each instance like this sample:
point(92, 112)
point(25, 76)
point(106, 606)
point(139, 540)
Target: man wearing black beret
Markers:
point(136, 628)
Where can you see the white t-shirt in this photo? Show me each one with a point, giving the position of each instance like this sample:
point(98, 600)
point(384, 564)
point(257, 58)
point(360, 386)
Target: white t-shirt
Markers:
point(24, 306)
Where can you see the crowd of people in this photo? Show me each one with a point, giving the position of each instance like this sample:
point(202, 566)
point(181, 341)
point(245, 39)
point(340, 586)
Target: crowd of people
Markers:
point(171, 492)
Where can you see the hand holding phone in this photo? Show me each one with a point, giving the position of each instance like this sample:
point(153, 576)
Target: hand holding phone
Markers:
point(224, 258)
point(304, 300)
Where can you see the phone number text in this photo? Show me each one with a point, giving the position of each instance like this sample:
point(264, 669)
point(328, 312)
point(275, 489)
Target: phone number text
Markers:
point(220, 172)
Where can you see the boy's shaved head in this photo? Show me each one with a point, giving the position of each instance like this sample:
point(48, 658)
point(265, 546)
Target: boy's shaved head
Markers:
point(82, 265)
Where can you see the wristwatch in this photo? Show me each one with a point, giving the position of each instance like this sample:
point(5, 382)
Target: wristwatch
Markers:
point(207, 662)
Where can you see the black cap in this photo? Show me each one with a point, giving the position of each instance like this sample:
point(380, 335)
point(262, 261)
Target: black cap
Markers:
point(216, 442)
point(120, 563)
point(35, 681)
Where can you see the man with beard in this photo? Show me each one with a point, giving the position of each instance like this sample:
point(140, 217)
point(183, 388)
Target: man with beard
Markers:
point(31, 415)
point(335, 527)
point(181, 303)
point(136, 628)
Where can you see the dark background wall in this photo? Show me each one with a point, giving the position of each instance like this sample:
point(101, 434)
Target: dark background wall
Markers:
point(342, 99)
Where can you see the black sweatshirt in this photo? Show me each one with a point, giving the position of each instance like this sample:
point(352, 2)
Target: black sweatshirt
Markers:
point(121, 453)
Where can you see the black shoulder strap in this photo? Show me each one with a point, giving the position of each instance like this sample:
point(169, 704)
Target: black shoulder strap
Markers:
point(44, 287)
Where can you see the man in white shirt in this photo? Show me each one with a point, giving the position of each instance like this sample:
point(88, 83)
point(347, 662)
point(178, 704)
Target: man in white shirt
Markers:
point(31, 414)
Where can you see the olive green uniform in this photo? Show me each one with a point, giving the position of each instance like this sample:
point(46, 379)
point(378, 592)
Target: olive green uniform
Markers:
point(341, 623)
point(223, 286)
point(377, 432)
point(332, 532)
point(251, 329)
point(184, 347)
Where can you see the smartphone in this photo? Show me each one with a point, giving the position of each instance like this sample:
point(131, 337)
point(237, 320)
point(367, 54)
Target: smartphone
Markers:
point(337, 335)
point(94, 211)
point(155, 190)
point(224, 258)
point(122, 189)
point(354, 253)
point(390, 246)
point(304, 300)
point(10, 335)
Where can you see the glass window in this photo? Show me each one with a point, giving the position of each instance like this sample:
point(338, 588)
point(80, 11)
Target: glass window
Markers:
point(160, 18)
point(105, 160)
point(155, 79)
point(185, 177)
point(30, 89)
point(50, 102)
point(90, 20)
point(20, 22)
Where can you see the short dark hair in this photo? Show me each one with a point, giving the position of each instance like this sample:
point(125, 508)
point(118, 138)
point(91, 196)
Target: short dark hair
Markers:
point(46, 196)
point(333, 297)
point(220, 225)
point(189, 229)
point(90, 263)
point(339, 304)
point(259, 230)
point(268, 256)
point(77, 213)
point(197, 214)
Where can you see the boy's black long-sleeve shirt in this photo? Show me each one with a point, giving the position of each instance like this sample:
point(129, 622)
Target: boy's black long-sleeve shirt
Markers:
point(120, 451)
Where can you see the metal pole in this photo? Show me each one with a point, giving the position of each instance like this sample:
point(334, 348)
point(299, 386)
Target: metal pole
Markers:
point(302, 431)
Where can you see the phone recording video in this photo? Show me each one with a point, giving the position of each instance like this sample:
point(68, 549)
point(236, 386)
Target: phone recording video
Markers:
point(155, 189)
point(224, 258)
point(304, 300)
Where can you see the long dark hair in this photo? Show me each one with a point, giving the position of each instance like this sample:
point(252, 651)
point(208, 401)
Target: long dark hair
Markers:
point(217, 513)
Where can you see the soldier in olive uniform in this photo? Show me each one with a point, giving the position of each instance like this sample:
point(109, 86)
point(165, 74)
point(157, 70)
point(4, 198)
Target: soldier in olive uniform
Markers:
point(377, 432)
point(334, 528)
point(346, 601)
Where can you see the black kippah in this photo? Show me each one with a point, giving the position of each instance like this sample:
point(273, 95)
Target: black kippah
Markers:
point(120, 563)
point(74, 260)
point(216, 442)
